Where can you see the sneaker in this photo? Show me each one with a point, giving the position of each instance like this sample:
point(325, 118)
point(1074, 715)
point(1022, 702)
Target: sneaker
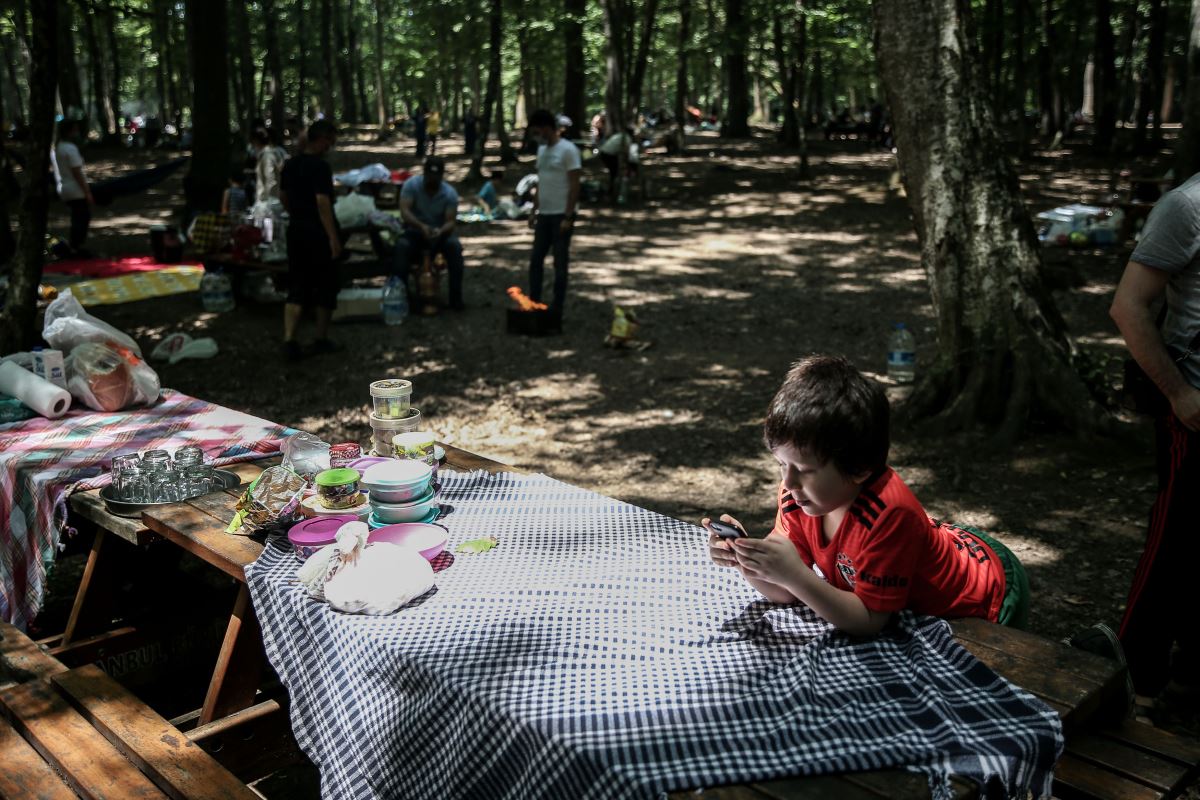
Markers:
point(322, 346)
point(1102, 640)
point(292, 351)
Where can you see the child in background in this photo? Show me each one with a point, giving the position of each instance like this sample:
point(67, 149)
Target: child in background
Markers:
point(850, 540)
point(234, 201)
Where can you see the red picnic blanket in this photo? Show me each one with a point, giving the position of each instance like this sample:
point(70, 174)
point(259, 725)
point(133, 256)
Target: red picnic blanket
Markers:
point(107, 267)
point(43, 461)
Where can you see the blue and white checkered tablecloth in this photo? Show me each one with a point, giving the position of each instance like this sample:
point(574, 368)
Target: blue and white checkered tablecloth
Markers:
point(596, 652)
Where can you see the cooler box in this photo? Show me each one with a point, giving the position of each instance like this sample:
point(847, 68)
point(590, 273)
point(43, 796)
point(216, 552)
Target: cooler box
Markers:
point(358, 304)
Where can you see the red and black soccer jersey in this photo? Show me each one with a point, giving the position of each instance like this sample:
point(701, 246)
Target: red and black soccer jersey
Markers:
point(893, 556)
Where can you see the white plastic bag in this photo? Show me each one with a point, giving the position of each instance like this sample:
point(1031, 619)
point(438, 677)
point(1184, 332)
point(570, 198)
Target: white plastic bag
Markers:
point(68, 325)
point(107, 377)
point(352, 210)
point(305, 455)
point(360, 578)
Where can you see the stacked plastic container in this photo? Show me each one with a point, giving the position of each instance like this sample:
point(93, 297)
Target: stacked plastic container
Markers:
point(400, 491)
point(392, 414)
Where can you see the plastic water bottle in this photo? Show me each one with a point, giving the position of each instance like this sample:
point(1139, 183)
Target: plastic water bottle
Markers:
point(902, 355)
point(395, 301)
point(216, 292)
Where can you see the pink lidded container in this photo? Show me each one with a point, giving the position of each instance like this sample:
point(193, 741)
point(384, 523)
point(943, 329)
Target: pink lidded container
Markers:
point(311, 535)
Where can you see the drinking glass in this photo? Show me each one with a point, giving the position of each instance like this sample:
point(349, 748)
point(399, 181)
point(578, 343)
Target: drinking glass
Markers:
point(199, 480)
point(135, 485)
point(154, 461)
point(123, 467)
point(189, 456)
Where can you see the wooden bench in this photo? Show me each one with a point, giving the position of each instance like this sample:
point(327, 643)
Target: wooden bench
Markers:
point(1126, 761)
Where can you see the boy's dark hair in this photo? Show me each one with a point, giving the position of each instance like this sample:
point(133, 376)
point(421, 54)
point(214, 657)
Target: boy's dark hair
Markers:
point(543, 118)
point(322, 129)
point(833, 412)
point(237, 175)
point(67, 126)
point(259, 136)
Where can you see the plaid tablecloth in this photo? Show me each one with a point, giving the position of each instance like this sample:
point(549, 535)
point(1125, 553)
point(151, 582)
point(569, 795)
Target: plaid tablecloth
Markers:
point(597, 653)
point(42, 461)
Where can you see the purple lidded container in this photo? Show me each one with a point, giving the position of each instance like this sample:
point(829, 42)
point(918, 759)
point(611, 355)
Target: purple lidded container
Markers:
point(311, 535)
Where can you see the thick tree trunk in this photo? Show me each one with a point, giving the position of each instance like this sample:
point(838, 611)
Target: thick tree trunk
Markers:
point(16, 108)
point(491, 98)
point(1150, 92)
point(356, 68)
point(114, 59)
point(209, 170)
point(245, 76)
point(681, 74)
point(70, 93)
point(274, 65)
point(1104, 85)
point(800, 62)
point(1020, 80)
point(575, 71)
point(302, 104)
point(736, 121)
point(1003, 353)
point(342, 60)
point(615, 13)
point(100, 100)
point(381, 103)
point(789, 133)
point(158, 36)
point(1187, 153)
point(327, 105)
point(643, 53)
point(1050, 95)
point(18, 318)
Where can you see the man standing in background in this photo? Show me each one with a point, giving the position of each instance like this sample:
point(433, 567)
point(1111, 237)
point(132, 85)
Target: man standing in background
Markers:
point(72, 183)
point(558, 168)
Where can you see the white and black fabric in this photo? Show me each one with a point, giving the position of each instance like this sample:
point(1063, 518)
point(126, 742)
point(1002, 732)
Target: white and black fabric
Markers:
point(596, 652)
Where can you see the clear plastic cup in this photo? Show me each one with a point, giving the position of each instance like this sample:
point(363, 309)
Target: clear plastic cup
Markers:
point(390, 398)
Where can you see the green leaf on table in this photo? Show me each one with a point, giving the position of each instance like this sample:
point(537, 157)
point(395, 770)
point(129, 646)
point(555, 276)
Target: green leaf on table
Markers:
point(473, 546)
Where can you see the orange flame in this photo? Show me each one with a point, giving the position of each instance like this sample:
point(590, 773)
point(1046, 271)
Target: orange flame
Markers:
point(523, 302)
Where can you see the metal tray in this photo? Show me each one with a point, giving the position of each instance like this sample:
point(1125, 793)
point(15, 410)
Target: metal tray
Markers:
point(121, 508)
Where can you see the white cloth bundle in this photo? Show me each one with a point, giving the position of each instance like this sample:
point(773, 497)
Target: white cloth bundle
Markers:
point(360, 578)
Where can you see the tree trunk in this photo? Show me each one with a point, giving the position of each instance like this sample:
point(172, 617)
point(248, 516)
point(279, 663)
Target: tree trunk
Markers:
point(342, 60)
point(19, 316)
point(643, 53)
point(1104, 85)
point(158, 37)
point(100, 99)
point(1187, 153)
point(245, 77)
point(8, 244)
point(302, 109)
point(1050, 96)
point(114, 56)
point(70, 93)
point(491, 98)
point(575, 77)
point(381, 104)
point(800, 61)
point(1003, 354)
point(274, 65)
point(507, 154)
point(736, 124)
point(327, 106)
point(209, 170)
point(681, 74)
point(1020, 84)
point(615, 12)
point(1150, 92)
point(17, 107)
point(356, 68)
point(789, 133)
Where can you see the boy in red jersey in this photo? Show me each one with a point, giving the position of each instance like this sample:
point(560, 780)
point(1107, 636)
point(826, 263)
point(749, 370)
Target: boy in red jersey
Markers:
point(850, 540)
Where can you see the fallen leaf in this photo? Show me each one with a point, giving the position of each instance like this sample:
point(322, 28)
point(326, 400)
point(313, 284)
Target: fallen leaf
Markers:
point(475, 546)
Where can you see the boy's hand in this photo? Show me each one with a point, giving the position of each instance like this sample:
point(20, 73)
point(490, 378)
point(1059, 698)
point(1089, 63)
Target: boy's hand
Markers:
point(719, 549)
point(773, 559)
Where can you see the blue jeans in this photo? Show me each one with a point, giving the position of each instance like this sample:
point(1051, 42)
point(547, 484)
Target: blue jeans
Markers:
point(547, 235)
point(412, 244)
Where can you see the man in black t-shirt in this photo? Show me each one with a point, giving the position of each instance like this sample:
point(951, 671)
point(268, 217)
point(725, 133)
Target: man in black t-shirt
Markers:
point(313, 241)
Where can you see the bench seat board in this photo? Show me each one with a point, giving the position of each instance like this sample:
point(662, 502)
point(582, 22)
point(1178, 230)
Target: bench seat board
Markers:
point(25, 775)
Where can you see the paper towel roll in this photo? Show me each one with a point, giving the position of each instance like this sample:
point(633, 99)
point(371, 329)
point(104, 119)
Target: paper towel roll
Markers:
point(36, 392)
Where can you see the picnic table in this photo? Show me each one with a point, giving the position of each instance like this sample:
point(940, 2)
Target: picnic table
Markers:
point(1079, 686)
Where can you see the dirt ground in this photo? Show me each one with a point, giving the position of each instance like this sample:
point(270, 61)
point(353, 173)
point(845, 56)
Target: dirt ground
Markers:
point(736, 269)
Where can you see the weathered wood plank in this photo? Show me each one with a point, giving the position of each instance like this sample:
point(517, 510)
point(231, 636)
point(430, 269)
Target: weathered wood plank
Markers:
point(25, 775)
point(814, 788)
point(203, 535)
point(252, 743)
point(236, 677)
point(1075, 778)
point(1049, 653)
point(1156, 742)
point(178, 766)
point(21, 660)
point(1128, 762)
point(90, 764)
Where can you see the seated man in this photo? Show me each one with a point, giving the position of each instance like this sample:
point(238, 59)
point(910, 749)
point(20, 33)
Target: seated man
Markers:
point(429, 208)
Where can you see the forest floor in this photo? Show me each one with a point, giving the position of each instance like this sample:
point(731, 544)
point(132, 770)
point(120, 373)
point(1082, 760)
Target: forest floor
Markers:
point(735, 269)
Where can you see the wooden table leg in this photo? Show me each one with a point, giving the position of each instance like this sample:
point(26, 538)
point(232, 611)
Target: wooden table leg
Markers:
point(92, 611)
point(238, 672)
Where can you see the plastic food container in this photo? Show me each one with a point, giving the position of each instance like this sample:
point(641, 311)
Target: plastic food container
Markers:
point(428, 540)
point(413, 511)
point(366, 462)
point(374, 522)
point(415, 445)
point(311, 535)
point(390, 398)
point(338, 488)
point(384, 429)
point(311, 507)
point(397, 482)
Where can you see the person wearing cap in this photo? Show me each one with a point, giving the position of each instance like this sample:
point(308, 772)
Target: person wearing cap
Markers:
point(558, 168)
point(429, 208)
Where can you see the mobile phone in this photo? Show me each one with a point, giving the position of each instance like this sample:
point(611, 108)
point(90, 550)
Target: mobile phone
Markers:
point(725, 530)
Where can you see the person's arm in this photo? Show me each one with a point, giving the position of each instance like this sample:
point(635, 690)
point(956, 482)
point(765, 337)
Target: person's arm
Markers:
point(325, 211)
point(1132, 309)
point(572, 197)
point(721, 553)
point(775, 560)
point(450, 222)
point(225, 202)
point(406, 214)
point(81, 179)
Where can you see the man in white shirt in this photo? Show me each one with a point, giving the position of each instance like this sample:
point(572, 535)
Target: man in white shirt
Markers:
point(71, 181)
point(558, 167)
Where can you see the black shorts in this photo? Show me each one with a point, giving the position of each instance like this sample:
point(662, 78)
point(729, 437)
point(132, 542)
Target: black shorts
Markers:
point(313, 275)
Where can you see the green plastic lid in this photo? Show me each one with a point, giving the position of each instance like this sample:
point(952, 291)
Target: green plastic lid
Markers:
point(337, 477)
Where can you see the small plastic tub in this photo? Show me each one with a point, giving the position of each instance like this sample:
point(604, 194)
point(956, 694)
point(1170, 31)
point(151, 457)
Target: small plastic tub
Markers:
point(383, 429)
point(415, 446)
point(397, 482)
point(366, 462)
point(311, 535)
point(413, 511)
point(391, 398)
point(344, 455)
point(338, 488)
point(428, 540)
